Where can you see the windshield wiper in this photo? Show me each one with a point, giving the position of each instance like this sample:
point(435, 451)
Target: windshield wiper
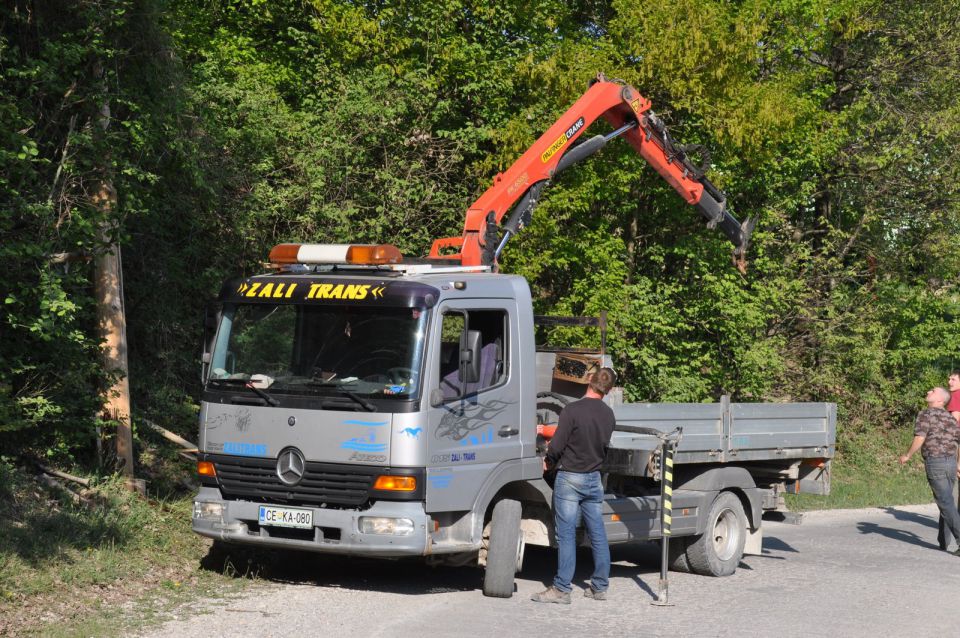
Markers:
point(262, 394)
point(369, 407)
point(248, 385)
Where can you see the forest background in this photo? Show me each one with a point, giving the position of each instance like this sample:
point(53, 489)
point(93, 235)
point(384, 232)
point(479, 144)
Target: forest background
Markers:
point(238, 124)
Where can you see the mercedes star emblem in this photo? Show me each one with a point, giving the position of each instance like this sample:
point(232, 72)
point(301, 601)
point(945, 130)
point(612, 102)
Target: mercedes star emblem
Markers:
point(291, 466)
point(292, 421)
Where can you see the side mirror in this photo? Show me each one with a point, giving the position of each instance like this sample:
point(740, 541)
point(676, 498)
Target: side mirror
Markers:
point(436, 398)
point(469, 356)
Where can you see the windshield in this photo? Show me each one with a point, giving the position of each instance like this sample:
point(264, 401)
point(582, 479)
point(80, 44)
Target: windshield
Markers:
point(330, 349)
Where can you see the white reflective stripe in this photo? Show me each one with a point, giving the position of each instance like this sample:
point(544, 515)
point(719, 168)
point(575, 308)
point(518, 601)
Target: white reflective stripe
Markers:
point(322, 253)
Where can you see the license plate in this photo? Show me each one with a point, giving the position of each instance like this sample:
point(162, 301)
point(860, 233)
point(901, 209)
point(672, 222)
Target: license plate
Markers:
point(286, 517)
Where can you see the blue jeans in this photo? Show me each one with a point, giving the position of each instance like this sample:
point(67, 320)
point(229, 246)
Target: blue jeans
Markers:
point(575, 494)
point(942, 476)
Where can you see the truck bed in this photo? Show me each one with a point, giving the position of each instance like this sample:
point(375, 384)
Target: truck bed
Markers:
point(728, 432)
point(721, 432)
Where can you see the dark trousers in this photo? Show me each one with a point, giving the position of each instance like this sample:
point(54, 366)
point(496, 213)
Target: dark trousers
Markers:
point(944, 536)
point(942, 476)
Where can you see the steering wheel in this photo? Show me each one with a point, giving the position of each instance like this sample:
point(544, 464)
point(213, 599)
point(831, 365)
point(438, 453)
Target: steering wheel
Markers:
point(550, 403)
point(553, 395)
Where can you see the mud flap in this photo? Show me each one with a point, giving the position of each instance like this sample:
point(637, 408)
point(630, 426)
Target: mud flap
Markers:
point(754, 543)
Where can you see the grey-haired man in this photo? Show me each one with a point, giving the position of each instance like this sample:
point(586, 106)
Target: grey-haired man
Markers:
point(936, 435)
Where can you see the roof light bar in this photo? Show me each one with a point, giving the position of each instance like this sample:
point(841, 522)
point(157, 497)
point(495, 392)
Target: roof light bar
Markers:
point(360, 254)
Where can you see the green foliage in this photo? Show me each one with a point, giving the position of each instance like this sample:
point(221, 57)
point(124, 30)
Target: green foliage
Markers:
point(237, 124)
point(63, 65)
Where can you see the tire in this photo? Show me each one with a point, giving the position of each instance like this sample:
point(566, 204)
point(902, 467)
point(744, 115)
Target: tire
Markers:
point(677, 554)
point(223, 558)
point(718, 551)
point(504, 551)
point(236, 561)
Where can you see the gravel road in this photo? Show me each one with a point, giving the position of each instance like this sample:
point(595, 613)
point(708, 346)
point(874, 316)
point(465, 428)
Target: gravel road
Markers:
point(874, 572)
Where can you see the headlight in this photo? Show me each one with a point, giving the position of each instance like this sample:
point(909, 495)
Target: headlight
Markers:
point(386, 526)
point(207, 510)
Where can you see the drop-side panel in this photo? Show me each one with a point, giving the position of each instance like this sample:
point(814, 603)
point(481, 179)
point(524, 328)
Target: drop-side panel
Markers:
point(763, 431)
point(703, 427)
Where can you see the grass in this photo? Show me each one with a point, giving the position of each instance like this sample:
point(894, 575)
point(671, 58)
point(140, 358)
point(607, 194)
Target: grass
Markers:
point(866, 474)
point(138, 613)
point(99, 568)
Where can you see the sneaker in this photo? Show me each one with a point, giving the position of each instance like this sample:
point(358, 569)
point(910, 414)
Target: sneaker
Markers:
point(590, 592)
point(552, 595)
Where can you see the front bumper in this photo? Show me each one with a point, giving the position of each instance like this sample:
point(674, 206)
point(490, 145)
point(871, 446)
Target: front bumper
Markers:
point(335, 531)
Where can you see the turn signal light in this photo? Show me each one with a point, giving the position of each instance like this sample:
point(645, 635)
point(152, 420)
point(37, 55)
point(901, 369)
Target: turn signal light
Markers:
point(395, 483)
point(205, 468)
point(359, 254)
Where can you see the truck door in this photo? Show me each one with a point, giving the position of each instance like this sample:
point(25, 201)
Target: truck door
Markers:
point(473, 426)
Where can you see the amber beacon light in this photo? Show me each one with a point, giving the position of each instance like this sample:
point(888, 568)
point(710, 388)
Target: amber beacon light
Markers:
point(358, 254)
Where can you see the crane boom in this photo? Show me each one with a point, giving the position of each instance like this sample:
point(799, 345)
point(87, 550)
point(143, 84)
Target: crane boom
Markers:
point(519, 187)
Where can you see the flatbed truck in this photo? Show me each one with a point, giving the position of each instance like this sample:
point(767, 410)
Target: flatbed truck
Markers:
point(359, 402)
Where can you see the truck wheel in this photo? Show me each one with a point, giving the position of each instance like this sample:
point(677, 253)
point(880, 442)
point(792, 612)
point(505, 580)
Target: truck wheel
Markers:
point(718, 551)
point(504, 551)
point(677, 554)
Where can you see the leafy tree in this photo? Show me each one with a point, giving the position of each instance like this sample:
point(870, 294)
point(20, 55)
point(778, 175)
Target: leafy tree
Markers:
point(61, 63)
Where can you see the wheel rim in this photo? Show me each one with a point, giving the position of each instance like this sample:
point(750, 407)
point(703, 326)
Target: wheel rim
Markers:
point(726, 535)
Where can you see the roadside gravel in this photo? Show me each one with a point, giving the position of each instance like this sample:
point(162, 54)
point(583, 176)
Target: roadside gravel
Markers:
point(843, 572)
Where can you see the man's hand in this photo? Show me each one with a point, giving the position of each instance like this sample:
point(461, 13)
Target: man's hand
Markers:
point(918, 440)
point(904, 458)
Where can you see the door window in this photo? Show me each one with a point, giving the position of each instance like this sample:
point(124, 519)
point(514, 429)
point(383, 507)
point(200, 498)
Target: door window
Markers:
point(491, 324)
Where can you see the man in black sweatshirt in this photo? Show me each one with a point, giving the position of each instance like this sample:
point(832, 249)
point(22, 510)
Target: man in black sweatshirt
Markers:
point(577, 450)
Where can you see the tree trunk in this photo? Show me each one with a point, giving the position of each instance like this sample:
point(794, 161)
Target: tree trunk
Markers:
point(108, 282)
point(113, 330)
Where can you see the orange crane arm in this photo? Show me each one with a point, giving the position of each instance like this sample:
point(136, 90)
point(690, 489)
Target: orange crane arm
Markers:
point(519, 187)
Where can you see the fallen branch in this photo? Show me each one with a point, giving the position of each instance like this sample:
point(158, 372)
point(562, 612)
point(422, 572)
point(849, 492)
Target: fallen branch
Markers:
point(68, 477)
point(187, 455)
point(54, 484)
point(170, 436)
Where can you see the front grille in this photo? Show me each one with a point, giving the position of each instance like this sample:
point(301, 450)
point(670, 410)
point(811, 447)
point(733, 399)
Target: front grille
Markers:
point(322, 483)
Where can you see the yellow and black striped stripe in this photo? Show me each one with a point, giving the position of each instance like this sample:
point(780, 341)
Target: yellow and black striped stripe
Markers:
point(667, 490)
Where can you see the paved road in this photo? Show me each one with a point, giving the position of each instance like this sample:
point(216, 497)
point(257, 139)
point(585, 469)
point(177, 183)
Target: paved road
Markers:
point(845, 573)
